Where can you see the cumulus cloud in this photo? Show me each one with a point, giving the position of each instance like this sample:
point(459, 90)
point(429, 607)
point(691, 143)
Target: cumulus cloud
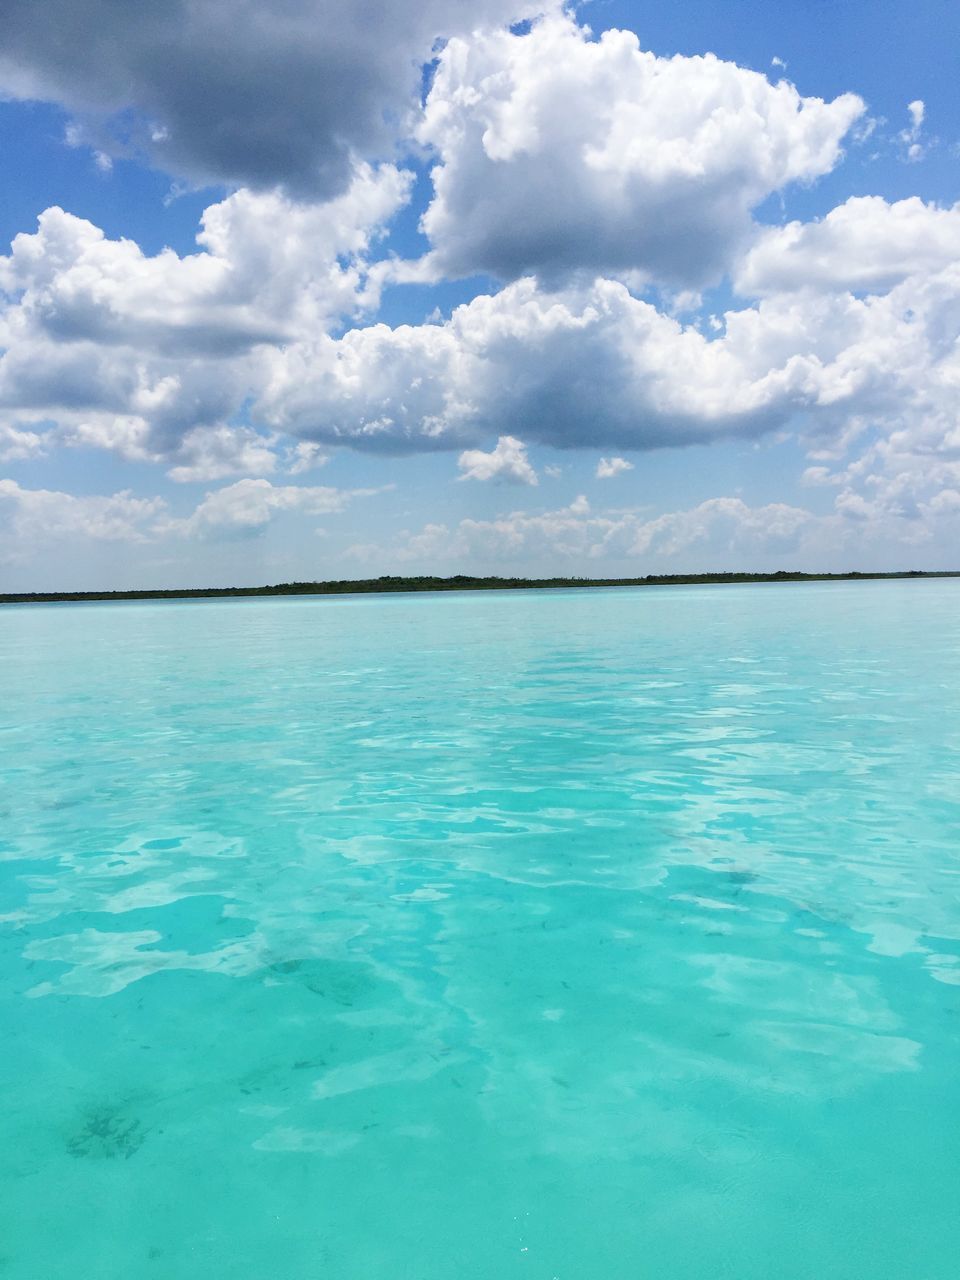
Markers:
point(36, 516)
point(570, 531)
point(913, 148)
point(597, 366)
point(234, 91)
point(723, 533)
point(152, 354)
point(245, 509)
point(305, 456)
point(559, 154)
point(17, 445)
point(724, 524)
point(508, 461)
point(865, 244)
point(211, 453)
point(589, 163)
point(592, 366)
point(98, 342)
point(908, 481)
point(607, 468)
point(268, 267)
point(818, 476)
point(727, 527)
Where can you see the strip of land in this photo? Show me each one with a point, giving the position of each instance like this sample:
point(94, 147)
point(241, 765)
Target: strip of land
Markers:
point(460, 582)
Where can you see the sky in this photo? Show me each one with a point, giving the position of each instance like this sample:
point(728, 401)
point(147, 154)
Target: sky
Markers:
point(293, 290)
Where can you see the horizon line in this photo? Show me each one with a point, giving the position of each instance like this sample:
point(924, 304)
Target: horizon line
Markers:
point(387, 584)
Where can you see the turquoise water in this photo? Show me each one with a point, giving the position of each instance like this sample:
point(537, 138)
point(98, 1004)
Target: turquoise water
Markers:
point(574, 936)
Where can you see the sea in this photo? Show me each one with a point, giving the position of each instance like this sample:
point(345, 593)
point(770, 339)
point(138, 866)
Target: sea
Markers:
point(529, 935)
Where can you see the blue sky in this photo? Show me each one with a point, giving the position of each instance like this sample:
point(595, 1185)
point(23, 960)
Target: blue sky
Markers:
point(627, 288)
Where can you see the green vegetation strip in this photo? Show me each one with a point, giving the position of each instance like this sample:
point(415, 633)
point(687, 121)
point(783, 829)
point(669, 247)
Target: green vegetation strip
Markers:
point(460, 582)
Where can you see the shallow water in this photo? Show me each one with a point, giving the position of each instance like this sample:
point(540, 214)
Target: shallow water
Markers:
point(570, 936)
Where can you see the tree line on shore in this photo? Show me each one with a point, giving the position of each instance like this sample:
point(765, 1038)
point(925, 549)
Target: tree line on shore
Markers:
point(459, 582)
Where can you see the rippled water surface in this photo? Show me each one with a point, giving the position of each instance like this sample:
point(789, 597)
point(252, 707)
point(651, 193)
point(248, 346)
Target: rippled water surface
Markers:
point(574, 936)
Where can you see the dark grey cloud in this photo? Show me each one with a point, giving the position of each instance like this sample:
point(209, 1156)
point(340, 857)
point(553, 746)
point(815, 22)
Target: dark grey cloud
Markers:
point(238, 92)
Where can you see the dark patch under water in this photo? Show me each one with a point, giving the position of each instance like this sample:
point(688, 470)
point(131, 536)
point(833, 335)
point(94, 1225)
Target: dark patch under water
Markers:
point(107, 1133)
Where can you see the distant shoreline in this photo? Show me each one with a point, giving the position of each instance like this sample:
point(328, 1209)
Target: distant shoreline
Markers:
point(389, 585)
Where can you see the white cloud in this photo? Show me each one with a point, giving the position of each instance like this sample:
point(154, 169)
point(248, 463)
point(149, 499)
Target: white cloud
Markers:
point(607, 468)
point(35, 517)
point(720, 534)
point(17, 445)
point(561, 154)
point(722, 525)
point(573, 368)
point(305, 456)
point(508, 461)
point(905, 481)
point(557, 153)
point(599, 367)
point(899, 513)
point(864, 244)
point(246, 508)
point(724, 529)
point(912, 146)
point(819, 476)
point(140, 353)
point(122, 433)
point(211, 453)
point(267, 269)
point(517, 537)
point(107, 360)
